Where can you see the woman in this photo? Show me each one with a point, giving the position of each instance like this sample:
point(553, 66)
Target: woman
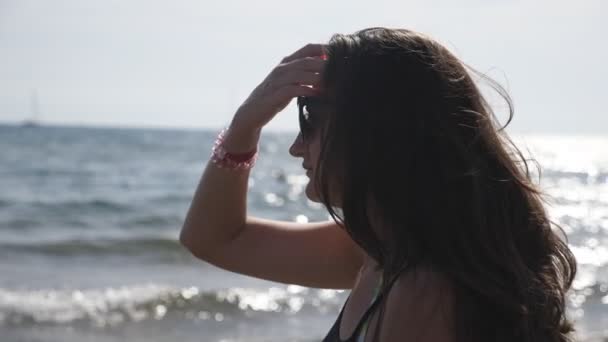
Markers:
point(443, 236)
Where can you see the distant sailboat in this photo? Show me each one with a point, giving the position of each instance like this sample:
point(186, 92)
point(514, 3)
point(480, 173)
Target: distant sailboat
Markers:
point(34, 119)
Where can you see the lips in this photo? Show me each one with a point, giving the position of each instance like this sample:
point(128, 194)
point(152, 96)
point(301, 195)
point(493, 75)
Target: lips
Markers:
point(307, 167)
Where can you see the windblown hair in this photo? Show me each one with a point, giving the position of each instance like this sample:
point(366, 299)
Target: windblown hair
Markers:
point(411, 141)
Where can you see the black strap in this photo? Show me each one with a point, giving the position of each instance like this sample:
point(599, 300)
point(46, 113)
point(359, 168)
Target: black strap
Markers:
point(367, 312)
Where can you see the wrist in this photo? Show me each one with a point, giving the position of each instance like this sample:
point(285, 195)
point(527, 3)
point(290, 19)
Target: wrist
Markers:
point(240, 139)
point(240, 122)
point(225, 155)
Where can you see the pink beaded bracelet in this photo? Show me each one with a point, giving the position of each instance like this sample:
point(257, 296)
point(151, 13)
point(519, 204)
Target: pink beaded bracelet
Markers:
point(232, 161)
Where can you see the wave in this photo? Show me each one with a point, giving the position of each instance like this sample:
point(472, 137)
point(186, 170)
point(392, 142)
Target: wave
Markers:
point(5, 203)
point(153, 221)
point(95, 204)
point(145, 220)
point(82, 213)
point(172, 198)
point(141, 245)
point(21, 223)
point(115, 306)
point(122, 305)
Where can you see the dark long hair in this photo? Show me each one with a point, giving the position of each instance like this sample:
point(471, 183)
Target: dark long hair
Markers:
point(411, 141)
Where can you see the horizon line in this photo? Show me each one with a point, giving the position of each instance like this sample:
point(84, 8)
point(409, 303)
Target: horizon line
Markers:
point(17, 123)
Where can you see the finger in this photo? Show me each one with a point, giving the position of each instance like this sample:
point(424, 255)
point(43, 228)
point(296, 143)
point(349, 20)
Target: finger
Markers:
point(315, 64)
point(298, 77)
point(292, 90)
point(308, 50)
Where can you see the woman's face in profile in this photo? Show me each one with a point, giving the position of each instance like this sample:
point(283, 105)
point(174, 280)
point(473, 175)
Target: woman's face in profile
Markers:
point(312, 115)
point(309, 150)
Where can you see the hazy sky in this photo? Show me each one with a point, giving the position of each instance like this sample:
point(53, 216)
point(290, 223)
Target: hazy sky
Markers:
point(191, 63)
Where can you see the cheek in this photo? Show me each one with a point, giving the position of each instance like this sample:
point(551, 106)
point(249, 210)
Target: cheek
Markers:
point(314, 150)
point(314, 156)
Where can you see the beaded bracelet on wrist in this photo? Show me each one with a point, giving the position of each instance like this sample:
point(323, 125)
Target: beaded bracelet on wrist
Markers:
point(233, 161)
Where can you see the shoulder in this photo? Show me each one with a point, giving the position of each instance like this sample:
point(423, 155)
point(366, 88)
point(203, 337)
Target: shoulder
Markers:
point(418, 308)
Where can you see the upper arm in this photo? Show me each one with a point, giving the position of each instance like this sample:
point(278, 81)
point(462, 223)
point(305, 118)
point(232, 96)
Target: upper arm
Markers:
point(319, 254)
point(418, 308)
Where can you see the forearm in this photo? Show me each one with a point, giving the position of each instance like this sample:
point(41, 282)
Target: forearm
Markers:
point(218, 210)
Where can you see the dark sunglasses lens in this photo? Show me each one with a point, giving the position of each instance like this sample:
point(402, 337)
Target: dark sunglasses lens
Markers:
point(303, 115)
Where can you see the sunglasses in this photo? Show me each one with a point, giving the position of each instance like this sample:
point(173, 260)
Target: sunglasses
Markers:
point(309, 115)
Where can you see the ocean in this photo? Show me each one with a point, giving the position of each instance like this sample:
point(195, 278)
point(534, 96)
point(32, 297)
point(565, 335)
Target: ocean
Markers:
point(90, 218)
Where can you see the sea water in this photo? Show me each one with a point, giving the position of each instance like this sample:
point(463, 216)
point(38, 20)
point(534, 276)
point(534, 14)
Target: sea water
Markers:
point(90, 219)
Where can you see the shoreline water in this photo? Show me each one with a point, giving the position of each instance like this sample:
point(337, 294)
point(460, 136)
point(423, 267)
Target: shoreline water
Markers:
point(89, 219)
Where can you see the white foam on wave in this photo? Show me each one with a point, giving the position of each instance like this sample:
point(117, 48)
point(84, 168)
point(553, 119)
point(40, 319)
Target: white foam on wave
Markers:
point(100, 306)
point(114, 306)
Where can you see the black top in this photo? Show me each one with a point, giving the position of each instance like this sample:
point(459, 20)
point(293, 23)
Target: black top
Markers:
point(334, 332)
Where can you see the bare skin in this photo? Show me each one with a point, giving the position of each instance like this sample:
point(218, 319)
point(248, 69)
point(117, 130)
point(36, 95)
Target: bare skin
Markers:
point(218, 230)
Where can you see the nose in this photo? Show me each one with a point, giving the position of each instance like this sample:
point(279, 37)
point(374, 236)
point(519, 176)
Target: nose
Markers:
point(297, 147)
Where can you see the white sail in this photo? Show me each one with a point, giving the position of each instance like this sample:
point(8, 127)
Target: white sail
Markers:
point(34, 117)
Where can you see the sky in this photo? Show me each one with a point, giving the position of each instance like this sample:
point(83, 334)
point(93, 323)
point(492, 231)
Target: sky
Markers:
point(184, 63)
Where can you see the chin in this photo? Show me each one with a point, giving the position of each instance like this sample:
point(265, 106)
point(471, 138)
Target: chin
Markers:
point(311, 194)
